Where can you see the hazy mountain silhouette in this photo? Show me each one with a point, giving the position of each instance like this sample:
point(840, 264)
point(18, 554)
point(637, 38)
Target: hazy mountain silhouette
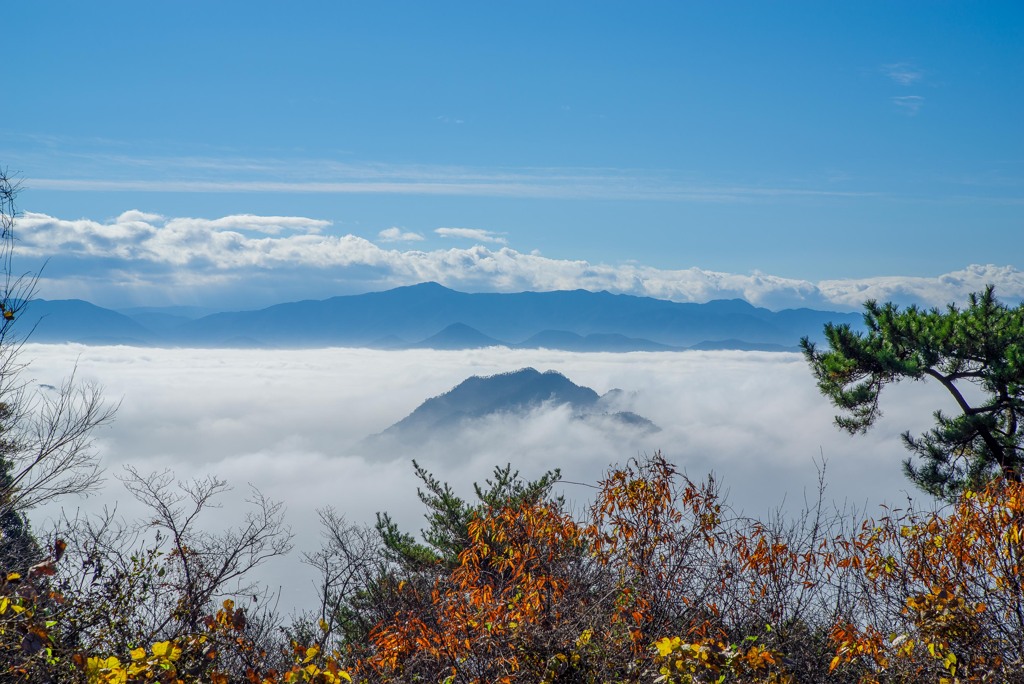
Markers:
point(458, 336)
point(609, 342)
point(742, 345)
point(429, 315)
point(74, 320)
point(419, 312)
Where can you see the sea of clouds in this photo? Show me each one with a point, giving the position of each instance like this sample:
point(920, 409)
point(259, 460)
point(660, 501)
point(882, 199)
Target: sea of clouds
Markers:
point(291, 423)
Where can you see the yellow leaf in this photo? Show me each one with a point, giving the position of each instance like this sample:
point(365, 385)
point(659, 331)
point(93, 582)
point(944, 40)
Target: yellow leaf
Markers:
point(138, 653)
point(664, 646)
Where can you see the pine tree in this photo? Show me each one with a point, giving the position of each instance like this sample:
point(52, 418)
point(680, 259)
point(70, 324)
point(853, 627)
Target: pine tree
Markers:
point(981, 345)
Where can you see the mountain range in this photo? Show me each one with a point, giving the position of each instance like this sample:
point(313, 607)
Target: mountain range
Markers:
point(429, 315)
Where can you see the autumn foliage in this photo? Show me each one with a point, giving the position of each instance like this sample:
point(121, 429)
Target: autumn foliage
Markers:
point(660, 582)
point(657, 581)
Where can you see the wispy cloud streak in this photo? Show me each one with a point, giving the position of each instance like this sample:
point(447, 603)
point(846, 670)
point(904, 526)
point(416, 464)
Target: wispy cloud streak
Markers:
point(903, 73)
point(909, 104)
point(214, 175)
point(475, 234)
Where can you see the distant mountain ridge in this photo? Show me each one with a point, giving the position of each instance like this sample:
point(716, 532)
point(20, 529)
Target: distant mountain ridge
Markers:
point(513, 393)
point(432, 316)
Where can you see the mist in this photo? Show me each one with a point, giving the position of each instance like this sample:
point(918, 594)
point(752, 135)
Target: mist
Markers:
point(292, 423)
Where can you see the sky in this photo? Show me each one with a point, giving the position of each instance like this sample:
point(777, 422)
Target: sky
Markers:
point(236, 155)
point(292, 423)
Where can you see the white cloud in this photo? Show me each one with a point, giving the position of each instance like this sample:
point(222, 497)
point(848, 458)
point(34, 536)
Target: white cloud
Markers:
point(934, 291)
point(222, 244)
point(237, 261)
point(290, 423)
point(903, 73)
point(472, 234)
point(909, 104)
point(271, 225)
point(398, 235)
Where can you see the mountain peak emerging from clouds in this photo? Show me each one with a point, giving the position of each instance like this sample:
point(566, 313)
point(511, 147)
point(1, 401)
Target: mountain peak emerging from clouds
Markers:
point(514, 393)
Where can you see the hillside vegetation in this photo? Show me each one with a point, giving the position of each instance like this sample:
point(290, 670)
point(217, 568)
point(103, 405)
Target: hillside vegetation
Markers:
point(658, 581)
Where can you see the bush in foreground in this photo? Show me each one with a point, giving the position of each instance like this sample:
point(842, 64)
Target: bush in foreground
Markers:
point(658, 581)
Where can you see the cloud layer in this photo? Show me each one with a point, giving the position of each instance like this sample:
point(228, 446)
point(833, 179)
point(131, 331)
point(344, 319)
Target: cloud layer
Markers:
point(251, 261)
point(290, 423)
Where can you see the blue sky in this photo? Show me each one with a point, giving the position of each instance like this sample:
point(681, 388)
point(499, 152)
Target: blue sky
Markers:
point(239, 154)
